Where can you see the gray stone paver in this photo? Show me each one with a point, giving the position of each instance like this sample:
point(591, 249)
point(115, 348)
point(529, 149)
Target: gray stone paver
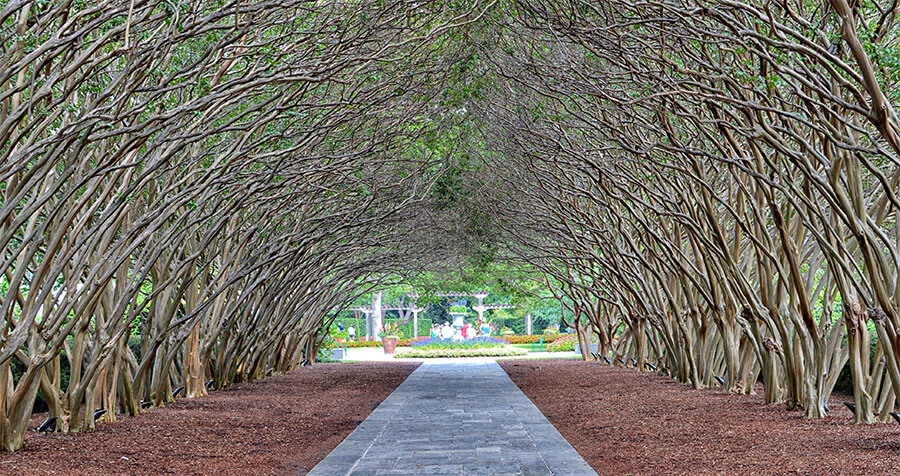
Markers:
point(461, 418)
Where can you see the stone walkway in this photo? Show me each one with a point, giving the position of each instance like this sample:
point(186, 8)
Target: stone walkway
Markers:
point(460, 418)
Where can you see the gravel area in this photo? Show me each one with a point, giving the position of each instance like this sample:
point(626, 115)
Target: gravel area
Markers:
point(280, 425)
point(623, 421)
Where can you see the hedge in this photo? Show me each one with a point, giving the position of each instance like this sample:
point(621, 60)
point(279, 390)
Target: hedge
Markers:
point(517, 324)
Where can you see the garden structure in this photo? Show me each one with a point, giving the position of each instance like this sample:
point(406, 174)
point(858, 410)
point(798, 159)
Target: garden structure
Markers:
point(409, 310)
point(191, 191)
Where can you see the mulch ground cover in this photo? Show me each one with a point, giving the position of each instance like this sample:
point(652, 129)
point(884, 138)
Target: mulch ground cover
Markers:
point(279, 425)
point(623, 421)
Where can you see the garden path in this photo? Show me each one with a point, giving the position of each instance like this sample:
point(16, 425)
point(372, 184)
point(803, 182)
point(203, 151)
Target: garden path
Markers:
point(464, 418)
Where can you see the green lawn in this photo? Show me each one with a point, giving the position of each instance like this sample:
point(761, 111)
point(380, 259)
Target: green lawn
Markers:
point(562, 355)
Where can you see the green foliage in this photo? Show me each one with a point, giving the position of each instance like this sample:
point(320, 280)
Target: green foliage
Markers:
point(449, 189)
point(886, 57)
point(546, 313)
point(844, 382)
point(515, 324)
point(565, 343)
point(18, 368)
point(334, 332)
point(134, 343)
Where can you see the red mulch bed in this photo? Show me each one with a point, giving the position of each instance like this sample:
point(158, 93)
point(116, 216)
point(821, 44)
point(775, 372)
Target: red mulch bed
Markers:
point(283, 424)
point(623, 421)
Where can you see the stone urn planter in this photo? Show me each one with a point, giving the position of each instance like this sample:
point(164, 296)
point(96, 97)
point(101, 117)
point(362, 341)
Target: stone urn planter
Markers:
point(389, 344)
point(458, 318)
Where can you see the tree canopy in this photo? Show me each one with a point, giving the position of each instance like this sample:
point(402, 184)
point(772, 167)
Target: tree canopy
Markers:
point(709, 186)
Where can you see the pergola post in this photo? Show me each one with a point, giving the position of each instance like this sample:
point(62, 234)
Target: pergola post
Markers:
point(376, 314)
point(368, 315)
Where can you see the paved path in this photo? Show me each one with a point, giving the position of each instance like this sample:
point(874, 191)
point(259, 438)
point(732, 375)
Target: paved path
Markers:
point(460, 418)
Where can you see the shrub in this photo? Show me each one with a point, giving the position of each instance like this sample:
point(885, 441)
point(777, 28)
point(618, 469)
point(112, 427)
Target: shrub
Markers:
point(564, 343)
point(516, 324)
point(327, 344)
point(335, 333)
point(501, 351)
point(134, 343)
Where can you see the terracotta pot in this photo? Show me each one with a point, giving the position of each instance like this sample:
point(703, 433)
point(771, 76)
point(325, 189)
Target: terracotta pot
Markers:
point(389, 345)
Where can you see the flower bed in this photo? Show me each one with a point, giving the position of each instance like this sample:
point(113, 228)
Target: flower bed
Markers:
point(529, 339)
point(409, 342)
point(475, 343)
point(567, 343)
point(478, 347)
point(563, 343)
point(363, 343)
point(499, 351)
